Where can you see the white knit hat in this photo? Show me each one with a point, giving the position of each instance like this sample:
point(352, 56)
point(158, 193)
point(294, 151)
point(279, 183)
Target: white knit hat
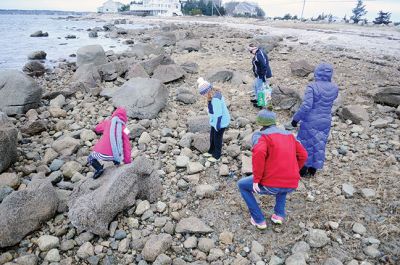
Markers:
point(203, 85)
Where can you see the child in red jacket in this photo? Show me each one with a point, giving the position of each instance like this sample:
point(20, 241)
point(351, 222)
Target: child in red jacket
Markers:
point(276, 157)
point(114, 144)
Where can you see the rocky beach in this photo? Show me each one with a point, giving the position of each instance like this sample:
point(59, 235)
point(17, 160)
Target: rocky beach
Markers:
point(172, 206)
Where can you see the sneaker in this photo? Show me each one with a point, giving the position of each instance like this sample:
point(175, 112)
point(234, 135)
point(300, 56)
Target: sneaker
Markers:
point(207, 154)
point(98, 173)
point(253, 100)
point(212, 159)
point(276, 219)
point(261, 226)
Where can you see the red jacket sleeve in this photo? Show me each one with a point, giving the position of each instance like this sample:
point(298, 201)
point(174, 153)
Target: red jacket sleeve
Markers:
point(100, 127)
point(126, 146)
point(301, 154)
point(259, 154)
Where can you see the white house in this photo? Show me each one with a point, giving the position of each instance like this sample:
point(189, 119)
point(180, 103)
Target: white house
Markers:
point(157, 7)
point(245, 9)
point(110, 7)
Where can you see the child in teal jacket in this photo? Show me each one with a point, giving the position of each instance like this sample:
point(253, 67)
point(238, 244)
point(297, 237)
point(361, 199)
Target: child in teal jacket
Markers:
point(219, 118)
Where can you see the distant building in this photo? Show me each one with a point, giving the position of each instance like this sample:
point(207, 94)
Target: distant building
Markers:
point(245, 9)
point(156, 7)
point(110, 7)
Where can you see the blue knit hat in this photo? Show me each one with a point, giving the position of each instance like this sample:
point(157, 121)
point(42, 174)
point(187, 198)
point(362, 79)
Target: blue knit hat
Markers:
point(204, 86)
point(266, 118)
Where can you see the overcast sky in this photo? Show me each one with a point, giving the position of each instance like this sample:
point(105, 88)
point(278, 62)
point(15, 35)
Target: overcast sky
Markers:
point(271, 7)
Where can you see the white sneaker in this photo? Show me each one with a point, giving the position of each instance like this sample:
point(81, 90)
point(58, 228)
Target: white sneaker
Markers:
point(212, 159)
point(207, 155)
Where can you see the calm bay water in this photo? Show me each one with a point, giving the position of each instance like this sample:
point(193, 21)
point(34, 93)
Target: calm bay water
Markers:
point(16, 43)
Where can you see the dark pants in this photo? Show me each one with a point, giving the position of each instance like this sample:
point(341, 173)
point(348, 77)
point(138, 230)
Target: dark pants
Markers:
point(216, 139)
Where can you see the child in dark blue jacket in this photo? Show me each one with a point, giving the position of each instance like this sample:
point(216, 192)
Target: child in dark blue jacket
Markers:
point(219, 118)
point(261, 69)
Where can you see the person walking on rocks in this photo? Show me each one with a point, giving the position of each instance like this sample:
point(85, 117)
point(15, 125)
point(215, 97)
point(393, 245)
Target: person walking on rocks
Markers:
point(261, 70)
point(315, 117)
point(114, 143)
point(219, 118)
point(276, 157)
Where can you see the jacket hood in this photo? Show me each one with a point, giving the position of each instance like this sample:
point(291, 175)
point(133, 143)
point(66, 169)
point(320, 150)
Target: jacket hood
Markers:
point(121, 114)
point(323, 72)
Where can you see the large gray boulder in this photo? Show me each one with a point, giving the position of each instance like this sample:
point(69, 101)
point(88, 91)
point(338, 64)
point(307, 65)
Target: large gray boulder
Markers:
point(142, 50)
point(37, 55)
point(267, 42)
point(189, 45)
point(165, 39)
point(199, 124)
point(110, 71)
point(18, 92)
point(156, 245)
point(151, 65)
point(143, 98)
point(301, 68)
point(22, 212)
point(94, 203)
point(186, 96)
point(8, 140)
point(220, 75)
point(135, 71)
point(91, 54)
point(87, 75)
point(34, 68)
point(355, 113)
point(388, 96)
point(168, 73)
point(286, 98)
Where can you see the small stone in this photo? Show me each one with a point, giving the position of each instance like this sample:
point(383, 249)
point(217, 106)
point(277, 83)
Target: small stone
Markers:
point(161, 206)
point(275, 260)
point(359, 229)
point(348, 190)
point(226, 237)
point(205, 244)
point(120, 234)
point(190, 242)
point(317, 238)
point(156, 245)
point(85, 251)
point(182, 161)
point(205, 191)
point(333, 225)
point(215, 254)
point(257, 248)
point(142, 207)
point(67, 245)
point(9, 179)
point(29, 259)
point(5, 257)
point(53, 255)
point(47, 242)
point(194, 167)
point(123, 246)
point(333, 261)
point(353, 262)
point(300, 246)
point(371, 252)
point(144, 138)
point(224, 170)
point(368, 193)
point(296, 259)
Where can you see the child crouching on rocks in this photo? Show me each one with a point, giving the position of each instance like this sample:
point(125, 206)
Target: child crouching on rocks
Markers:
point(276, 157)
point(219, 118)
point(114, 143)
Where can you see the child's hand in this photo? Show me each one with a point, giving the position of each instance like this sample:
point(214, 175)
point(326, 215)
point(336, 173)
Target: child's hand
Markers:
point(256, 188)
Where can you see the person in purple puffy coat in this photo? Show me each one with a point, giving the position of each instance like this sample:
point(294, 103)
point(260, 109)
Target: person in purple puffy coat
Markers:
point(315, 116)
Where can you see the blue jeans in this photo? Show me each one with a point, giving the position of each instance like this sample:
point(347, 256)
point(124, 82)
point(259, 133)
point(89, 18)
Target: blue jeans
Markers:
point(257, 86)
point(246, 189)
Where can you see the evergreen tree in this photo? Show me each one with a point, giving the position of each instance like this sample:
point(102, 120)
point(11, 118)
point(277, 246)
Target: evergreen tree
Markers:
point(358, 12)
point(260, 12)
point(383, 18)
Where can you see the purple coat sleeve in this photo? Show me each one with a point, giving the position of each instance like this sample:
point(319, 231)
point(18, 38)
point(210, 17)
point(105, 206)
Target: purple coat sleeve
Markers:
point(306, 106)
